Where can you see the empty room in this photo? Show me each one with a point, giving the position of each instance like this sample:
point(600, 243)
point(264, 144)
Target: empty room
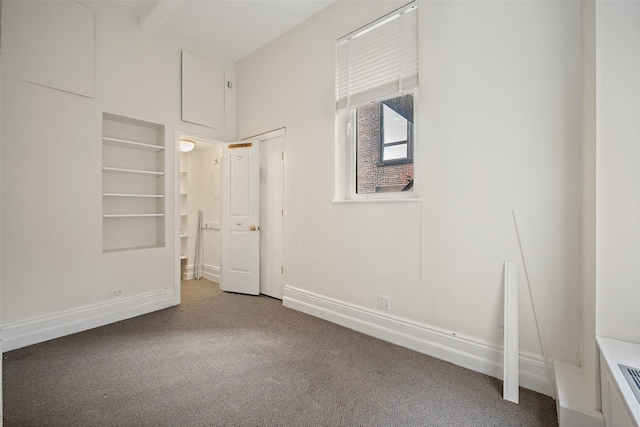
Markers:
point(320, 212)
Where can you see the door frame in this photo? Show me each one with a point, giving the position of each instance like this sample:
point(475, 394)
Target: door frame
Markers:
point(262, 138)
point(176, 209)
point(176, 250)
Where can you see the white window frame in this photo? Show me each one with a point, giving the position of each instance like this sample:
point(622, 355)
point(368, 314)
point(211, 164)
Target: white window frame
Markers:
point(346, 166)
point(345, 151)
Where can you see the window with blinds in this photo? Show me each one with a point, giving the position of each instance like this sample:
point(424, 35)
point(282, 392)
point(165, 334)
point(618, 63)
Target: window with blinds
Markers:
point(380, 60)
point(376, 83)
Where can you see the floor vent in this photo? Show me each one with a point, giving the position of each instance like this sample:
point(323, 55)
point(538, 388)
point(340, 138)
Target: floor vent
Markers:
point(633, 378)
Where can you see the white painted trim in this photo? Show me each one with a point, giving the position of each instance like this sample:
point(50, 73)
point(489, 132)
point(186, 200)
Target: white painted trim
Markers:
point(210, 272)
point(188, 272)
point(23, 333)
point(177, 241)
point(463, 351)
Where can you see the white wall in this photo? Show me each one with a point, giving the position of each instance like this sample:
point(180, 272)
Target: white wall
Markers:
point(52, 258)
point(618, 170)
point(498, 129)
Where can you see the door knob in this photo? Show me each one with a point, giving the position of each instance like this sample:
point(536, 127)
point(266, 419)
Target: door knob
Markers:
point(253, 228)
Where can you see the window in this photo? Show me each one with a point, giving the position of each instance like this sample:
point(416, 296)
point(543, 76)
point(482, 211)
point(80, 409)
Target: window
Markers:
point(384, 146)
point(396, 130)
point(376, 80)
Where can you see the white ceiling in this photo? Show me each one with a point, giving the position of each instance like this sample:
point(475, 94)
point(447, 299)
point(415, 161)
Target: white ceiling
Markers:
point(232, 28)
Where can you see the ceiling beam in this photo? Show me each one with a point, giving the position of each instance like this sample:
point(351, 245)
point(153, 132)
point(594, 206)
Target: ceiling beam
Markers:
point(157, 14)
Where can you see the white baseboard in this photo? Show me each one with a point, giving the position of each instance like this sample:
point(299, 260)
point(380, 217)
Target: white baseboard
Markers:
point(186, 272)
point(209, 272)
point(23, 333)
point(463, 351)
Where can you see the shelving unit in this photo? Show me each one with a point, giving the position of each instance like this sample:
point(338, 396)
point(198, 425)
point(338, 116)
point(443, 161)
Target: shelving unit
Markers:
point(129, 215)
point(133, 171)
point(131, 195)
point(184, 214)
point(123, 143)
point(133, 182)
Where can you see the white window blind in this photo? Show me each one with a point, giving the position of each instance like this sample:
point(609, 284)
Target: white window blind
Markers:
point(378, 61)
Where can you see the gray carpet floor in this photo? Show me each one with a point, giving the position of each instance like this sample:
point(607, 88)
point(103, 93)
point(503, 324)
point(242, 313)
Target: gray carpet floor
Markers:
point(223, 359)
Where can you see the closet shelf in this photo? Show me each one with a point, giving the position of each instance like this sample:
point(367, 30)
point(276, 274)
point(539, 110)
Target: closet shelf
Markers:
point(133, 184)
point(131, 215)
point(136, 248)
point(123, 143)
point(134, 171)
point(132, 195)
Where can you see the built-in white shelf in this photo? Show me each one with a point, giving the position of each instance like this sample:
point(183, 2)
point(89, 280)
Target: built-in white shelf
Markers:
point(136, 248)
point(133, 184)
point(133, 171)
point(123, 143)
point(131, 215)
point(132, 195)
point(184, 216)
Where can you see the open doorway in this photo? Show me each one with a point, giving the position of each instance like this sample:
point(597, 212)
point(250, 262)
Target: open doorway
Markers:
point(199, 192)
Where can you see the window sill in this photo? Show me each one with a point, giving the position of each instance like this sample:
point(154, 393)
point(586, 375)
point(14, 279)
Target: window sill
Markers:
point(376, 200)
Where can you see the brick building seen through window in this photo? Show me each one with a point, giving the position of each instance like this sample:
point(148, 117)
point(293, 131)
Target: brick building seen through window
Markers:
point(384, 146)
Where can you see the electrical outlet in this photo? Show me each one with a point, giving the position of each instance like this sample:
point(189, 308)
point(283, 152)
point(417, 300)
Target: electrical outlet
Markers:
point(116, 292)
point(501, 330)
point(384, 303)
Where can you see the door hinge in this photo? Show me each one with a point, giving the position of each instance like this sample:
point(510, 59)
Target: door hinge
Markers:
point(282, 270)
point(282, 212)
point(282, 155)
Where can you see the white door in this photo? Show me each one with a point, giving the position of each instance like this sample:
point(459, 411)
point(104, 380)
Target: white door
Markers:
point(272, 215)
point(240, 218)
